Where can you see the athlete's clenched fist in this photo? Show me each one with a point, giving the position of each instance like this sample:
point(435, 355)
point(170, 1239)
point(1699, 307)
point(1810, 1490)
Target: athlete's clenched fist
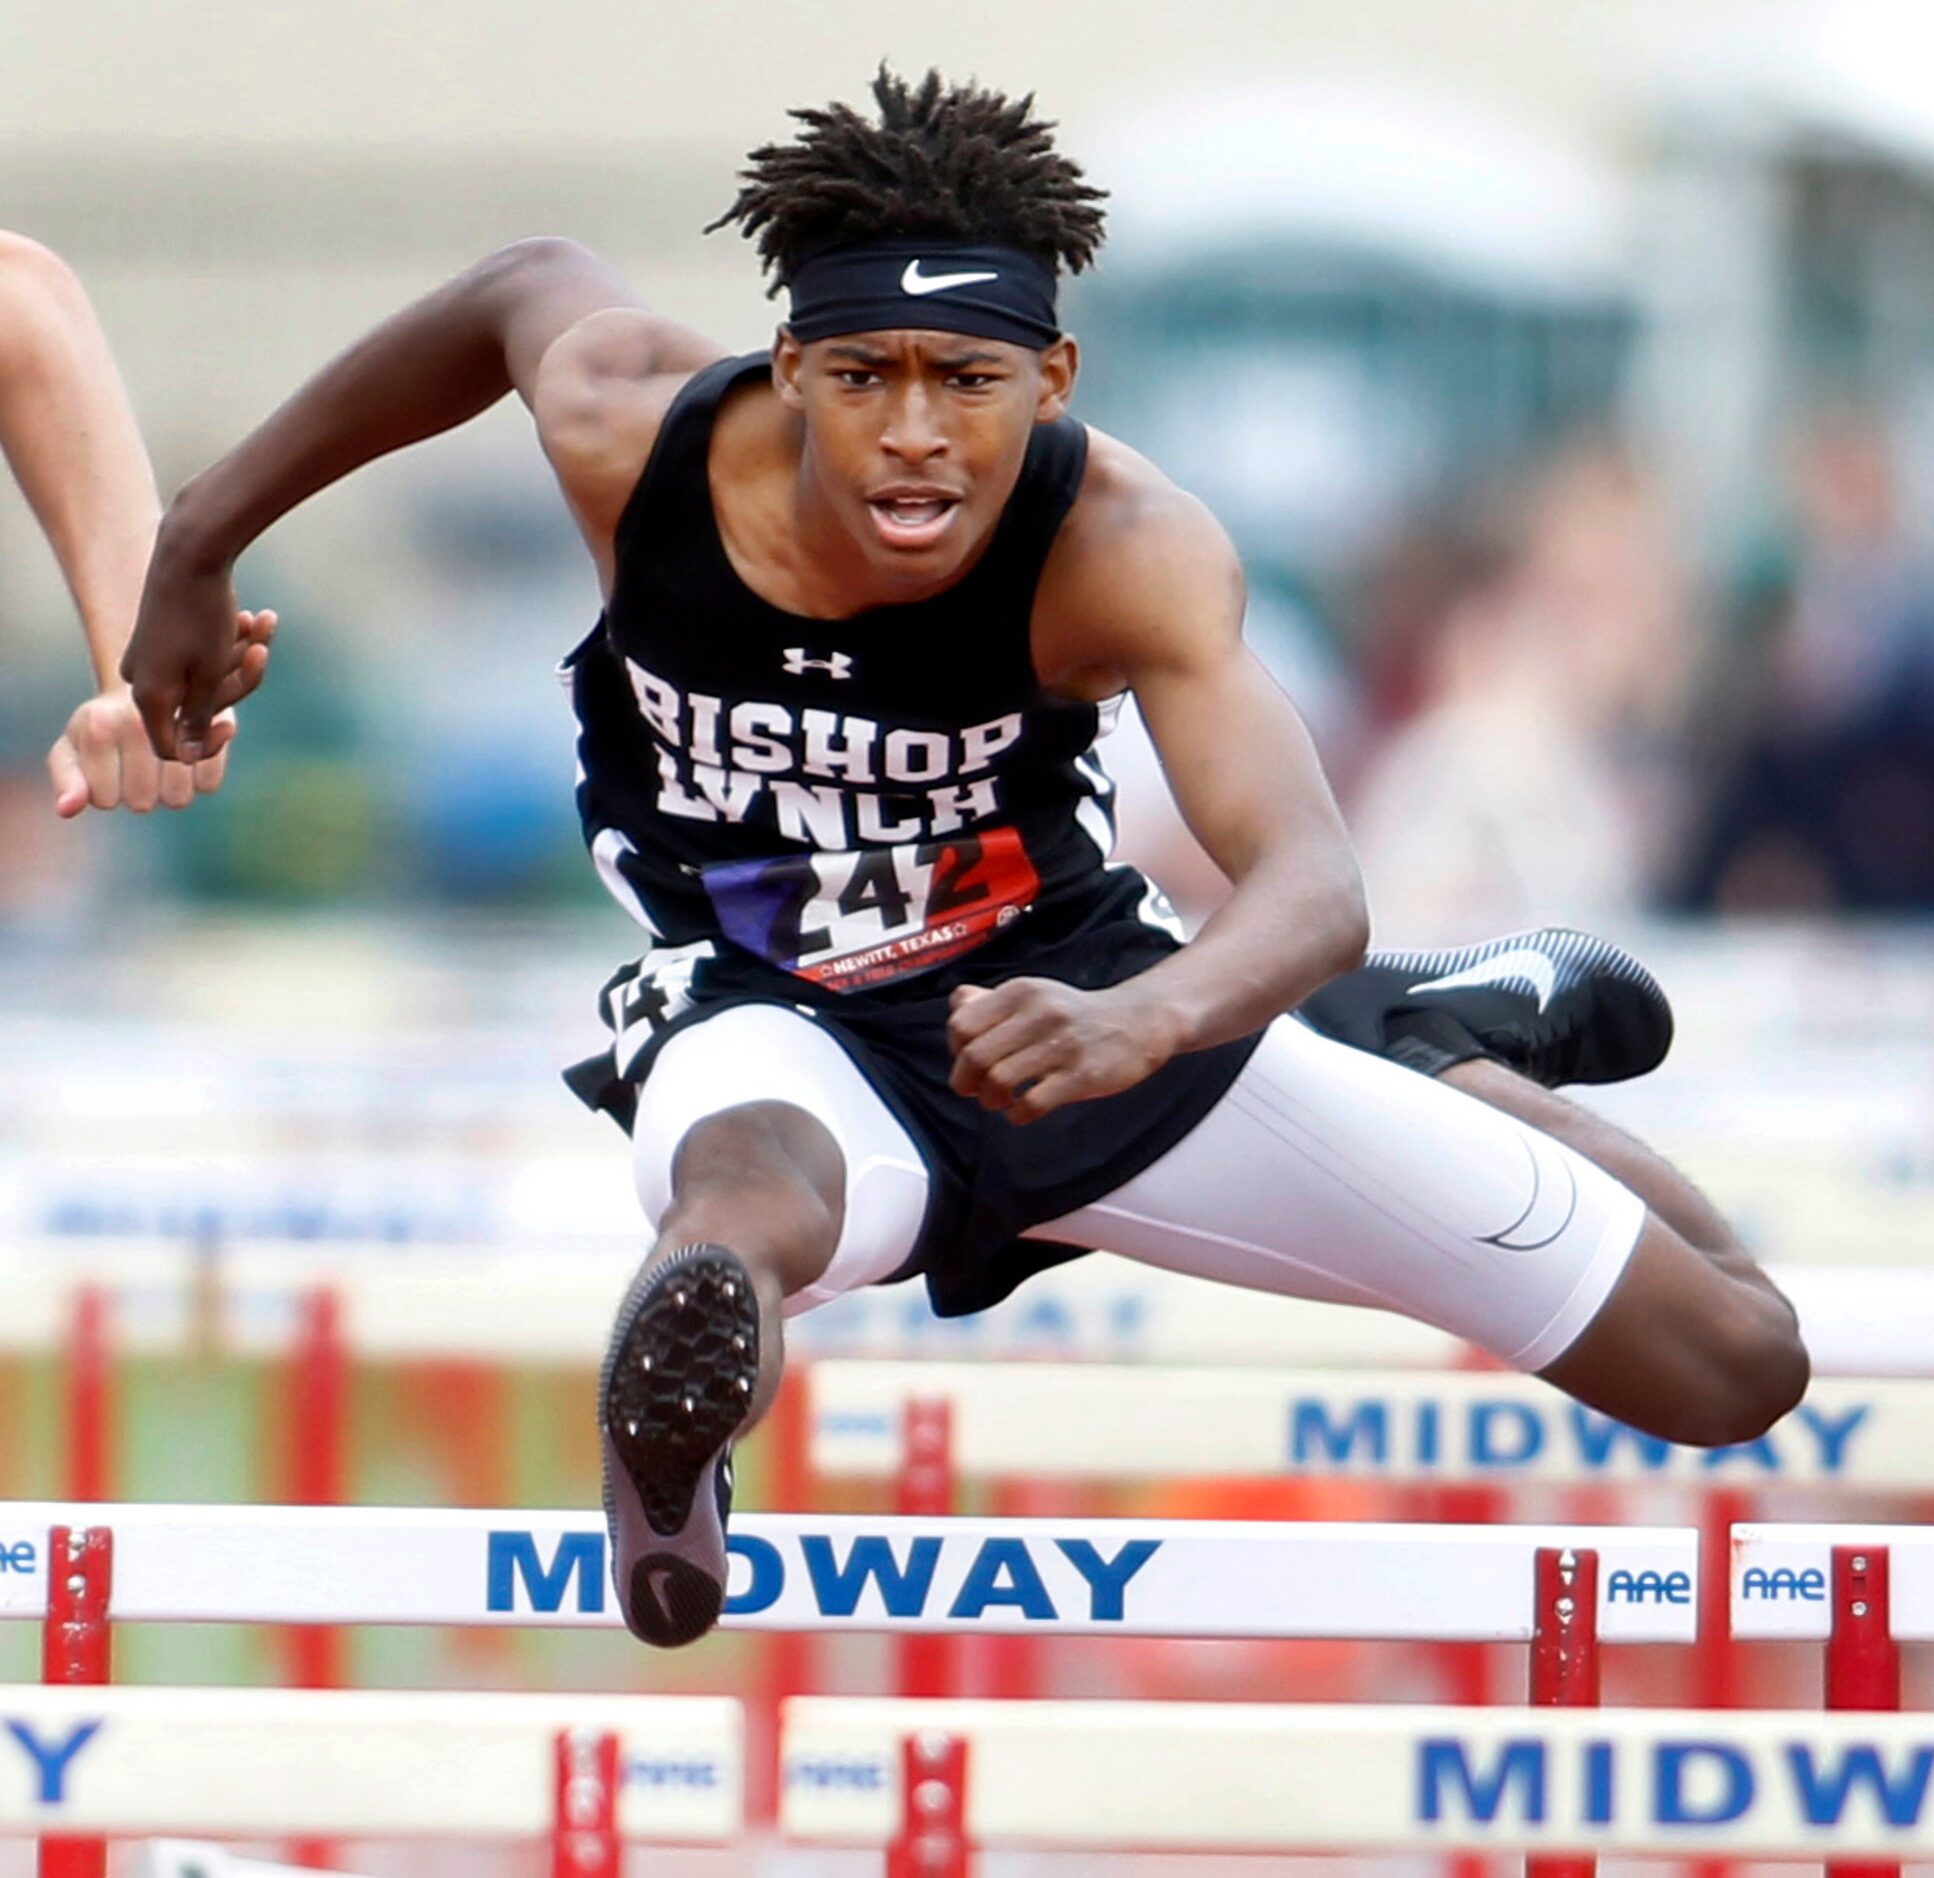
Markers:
point(194, 656)
point(1035, 1044)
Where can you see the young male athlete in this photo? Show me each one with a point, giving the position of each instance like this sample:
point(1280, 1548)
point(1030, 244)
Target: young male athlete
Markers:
point(868, 603)
point(69, 434)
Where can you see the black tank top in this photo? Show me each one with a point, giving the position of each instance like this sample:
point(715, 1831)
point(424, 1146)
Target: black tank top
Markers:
point(853, 802)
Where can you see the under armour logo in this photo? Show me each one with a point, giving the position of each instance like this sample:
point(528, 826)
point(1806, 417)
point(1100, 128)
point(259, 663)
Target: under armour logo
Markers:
point(840, 665)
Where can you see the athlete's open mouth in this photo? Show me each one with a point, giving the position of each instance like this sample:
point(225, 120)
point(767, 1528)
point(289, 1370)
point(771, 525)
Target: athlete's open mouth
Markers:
point(912, 518)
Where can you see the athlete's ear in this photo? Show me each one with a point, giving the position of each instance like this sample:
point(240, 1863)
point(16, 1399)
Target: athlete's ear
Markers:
point(788, 355)
point(1059, 364)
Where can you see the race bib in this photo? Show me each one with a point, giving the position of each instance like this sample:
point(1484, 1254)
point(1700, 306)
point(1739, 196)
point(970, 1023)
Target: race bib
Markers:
point(862, 918)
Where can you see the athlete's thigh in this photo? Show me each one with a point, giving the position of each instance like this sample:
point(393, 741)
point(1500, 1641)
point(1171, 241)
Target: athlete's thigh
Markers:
point(769, 1053)
point(1329, 1173)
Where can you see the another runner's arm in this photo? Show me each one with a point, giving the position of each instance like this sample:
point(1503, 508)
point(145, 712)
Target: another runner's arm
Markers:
point(70, 435)
point(1246, 777)
point(426, 369)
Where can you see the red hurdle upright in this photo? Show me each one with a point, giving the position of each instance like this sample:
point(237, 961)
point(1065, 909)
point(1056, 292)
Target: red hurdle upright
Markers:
point(1863, 1660)
point(786, 1656)
point(932, 1842)
point(316, 1425)
point(90, 1398)
point(584, 1836)
point(925, 1489)
point(76, 1647)
point(1564, 1662)
point(316, 1429)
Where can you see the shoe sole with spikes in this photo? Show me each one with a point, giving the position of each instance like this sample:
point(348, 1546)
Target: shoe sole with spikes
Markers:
point(677, 1386)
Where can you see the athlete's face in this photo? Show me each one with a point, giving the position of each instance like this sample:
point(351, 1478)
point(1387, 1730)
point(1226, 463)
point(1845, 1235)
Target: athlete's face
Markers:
point(915, 439)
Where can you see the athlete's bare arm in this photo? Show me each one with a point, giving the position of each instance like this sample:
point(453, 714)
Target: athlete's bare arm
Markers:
point(432, 366)
point(70, 436)
point(1145, 593)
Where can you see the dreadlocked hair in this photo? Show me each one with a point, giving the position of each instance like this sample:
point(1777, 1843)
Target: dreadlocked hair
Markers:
point(950, 162)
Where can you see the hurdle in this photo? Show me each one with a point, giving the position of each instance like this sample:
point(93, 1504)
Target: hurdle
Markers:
point(1098, 1422)
point(1056, 1421)
point(935, 1780)
point(1564, 1591)
point(1090, 1577)
point(585, 1773)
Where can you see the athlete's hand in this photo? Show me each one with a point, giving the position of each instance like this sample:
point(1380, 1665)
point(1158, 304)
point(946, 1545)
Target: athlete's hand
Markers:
point(103, 760)
point(194, 656)
point(1033, 1044)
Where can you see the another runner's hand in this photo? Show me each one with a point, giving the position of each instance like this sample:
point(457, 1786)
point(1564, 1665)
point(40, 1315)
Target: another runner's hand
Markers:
point(192, 657)
point(1033, 1044)
point(103, 760)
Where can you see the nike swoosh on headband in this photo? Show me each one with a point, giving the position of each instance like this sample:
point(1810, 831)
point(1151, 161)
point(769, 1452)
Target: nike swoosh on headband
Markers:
point(915, 282)
point(1521, 962)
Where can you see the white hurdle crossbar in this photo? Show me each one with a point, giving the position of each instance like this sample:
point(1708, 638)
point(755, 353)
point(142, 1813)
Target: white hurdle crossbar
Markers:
point(1256, 1777)
point(1054, 1421)
point(1119, 1577)
point(267, 1763)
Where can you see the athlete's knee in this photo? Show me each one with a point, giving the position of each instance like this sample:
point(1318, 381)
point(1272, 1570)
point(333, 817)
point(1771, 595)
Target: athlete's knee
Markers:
point(1689, 1349)
point(1755, 1371)
point(768, 1175)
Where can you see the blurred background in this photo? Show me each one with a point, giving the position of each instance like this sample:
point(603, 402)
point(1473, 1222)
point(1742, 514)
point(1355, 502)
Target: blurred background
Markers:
point(1564, 370)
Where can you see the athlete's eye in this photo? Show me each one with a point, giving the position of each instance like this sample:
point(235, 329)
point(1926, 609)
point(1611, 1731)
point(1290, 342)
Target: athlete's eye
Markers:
point(971, 381)
point(857, 377)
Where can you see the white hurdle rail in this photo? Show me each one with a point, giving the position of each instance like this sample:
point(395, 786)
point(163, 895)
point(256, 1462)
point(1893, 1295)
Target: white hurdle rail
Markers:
point(1056, 1421)
point(584, 1772)
point(794, 1572)
point(949, 1776)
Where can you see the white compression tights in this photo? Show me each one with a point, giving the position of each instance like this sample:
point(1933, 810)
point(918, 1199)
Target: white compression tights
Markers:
point(1323, 1173)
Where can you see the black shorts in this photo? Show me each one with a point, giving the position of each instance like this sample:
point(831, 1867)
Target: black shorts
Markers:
point(990, 1181)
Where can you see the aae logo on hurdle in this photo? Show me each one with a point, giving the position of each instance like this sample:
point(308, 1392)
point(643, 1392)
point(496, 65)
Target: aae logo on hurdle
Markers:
point(1782, 1582)
point(1757, 1582)
point(1623, 1587)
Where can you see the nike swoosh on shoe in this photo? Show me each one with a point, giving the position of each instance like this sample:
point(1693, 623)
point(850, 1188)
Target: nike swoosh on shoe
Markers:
point(1520, 963)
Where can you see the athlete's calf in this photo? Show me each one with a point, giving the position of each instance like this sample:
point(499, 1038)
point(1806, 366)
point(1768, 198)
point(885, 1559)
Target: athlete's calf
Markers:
point(755, 1212)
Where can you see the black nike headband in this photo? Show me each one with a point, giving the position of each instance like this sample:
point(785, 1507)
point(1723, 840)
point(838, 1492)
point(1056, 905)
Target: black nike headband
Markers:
point(974, 287)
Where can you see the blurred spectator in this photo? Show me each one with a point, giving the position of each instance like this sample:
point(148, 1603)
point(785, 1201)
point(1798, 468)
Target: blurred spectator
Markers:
point(1525, 670)
point(1820, 713)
